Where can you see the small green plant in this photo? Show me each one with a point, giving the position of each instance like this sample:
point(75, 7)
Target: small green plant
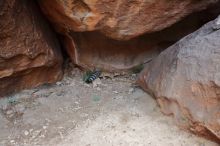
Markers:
point(12, 100)
point(96, 98)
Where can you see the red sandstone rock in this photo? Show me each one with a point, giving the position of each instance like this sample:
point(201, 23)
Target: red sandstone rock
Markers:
point(119, 19)
point(110, 23)
point(29, 52)
point(185, 79)
point(95, 50)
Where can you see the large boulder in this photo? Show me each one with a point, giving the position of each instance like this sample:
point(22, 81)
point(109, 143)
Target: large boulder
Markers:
point(95, 50)
point(119, 19)
point(121, 34)
point(29, 52)
point(185, 80)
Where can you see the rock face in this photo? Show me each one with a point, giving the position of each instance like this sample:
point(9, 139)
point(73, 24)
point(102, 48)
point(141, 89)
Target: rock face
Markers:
point(185, 79)
point(95, 50)
point(29, 52)
point(119, 19)
point(108, 34)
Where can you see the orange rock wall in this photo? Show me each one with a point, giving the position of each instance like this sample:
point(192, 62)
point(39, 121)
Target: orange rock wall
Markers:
point(29, 52)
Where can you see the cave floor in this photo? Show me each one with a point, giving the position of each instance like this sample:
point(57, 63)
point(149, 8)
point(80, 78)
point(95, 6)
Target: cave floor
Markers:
point(111, 112)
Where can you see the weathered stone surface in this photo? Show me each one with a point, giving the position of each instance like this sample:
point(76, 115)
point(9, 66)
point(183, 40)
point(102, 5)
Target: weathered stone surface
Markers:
point(119, 19)
point(29, 52)
point(95, 33)
point(185, 79)
point(95, 50)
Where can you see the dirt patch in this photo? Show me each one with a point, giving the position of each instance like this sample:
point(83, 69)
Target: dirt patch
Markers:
point(71, 113)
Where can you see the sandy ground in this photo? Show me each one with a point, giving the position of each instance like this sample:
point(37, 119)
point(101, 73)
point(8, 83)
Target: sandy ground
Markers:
point(110, 112)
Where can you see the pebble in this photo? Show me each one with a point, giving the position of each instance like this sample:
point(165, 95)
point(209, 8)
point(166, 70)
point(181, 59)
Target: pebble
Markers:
point(96, 83)
point(58, 83)
point(116, 92)
point(134, 75)
point(60, 93)
point(9, 112)
point(84, 115)
point(76, 102)
point(42, 136)
point(131, 90)
point(118, 97)
point(26, 133)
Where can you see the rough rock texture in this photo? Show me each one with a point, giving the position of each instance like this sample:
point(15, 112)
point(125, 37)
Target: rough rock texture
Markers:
point(95, 50)
point(96, 32)
point(29, 53)
point(119, 19)
point(185, 79)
